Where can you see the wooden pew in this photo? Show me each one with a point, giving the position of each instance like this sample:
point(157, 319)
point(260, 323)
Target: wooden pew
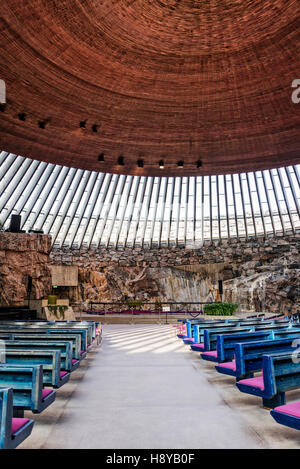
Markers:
point(49, 359)
point(280, 373)
point(89, 326)
point(50, 329)
point(75, 339)
point(27, 384)
point(190, 323)
point(79, 350)
point(248, 356)
point(197, 344)
point(210, 340)
point(13, 431)
point(226, 343)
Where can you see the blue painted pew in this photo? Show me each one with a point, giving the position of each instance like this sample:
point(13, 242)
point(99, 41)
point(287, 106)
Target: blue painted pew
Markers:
point(27, 384)
point(210, 340)
point(197, 344)
point(93, 326)
point(23, 335)
point(288, 415)
point(248, 356)
point(280, 373)
point(88, 327)
point(199, 330)
point(49, 359)
point(226, 343)
point(190, 327)
point(190, 323)
point(13, 431)
point(218, 355)
point(65, 349)
point(75, 339)
point(209, 336)
point(47, 330)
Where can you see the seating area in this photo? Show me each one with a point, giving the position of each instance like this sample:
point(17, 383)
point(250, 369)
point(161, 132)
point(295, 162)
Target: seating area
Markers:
point(262, 356)
point(37, 359)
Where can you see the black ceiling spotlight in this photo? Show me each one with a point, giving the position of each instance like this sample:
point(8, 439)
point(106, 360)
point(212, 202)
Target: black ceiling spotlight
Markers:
point(180, 164)
point(95, 128)
point(140, 163)
point(161, 164)
point(101, 157)
point(82, 124)
point(22, 116)
point(199, 164)
point(121, 161)
point(42, 124)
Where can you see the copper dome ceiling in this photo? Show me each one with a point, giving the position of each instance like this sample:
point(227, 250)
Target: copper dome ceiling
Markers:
point(153, 80)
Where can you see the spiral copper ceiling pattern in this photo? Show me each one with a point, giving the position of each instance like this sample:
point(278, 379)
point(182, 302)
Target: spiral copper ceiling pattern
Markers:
point(171, 80)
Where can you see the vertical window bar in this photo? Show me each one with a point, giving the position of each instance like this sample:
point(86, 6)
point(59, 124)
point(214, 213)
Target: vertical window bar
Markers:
point(275, 190)
point(91, 180)
point(105, 183)
point(286, 200)
point(260, 204)
point(92, 202)
point(243, 207)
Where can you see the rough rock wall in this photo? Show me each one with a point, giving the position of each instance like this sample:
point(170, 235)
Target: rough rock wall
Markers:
point(23, 255)
point(115, 283)
point(259, 273)
point(277, 291)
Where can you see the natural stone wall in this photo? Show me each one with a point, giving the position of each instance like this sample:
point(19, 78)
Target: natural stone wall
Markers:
point(259, 273)
point(23, 255)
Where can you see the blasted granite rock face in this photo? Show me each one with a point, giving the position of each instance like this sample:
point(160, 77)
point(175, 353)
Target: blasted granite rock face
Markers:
point(23, 255)
point(258, 273)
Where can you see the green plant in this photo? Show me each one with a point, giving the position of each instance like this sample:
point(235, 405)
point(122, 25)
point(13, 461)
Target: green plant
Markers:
point(220, 309)
point(58, 310)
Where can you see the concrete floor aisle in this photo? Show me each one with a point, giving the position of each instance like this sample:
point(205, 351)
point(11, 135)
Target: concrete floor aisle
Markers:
point(144, 389)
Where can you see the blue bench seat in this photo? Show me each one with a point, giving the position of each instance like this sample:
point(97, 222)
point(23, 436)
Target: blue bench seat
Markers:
point(197, 347)
point(288, 415)
point(280, 373)
point(13, 430)
point(211, 356)
point(227, 368)
point(188, 340)
point(248, 355)
point(27, 384)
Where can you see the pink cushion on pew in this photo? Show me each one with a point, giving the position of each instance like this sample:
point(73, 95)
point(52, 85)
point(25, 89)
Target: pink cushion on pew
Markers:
point(256, 382)
point(62, 373)
point(74, 361)
point(18, 423)
point(46, 393)
point(81, 351)
point(290, 409)
point(213, 353)
point(231, 365)
point(200, 346)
